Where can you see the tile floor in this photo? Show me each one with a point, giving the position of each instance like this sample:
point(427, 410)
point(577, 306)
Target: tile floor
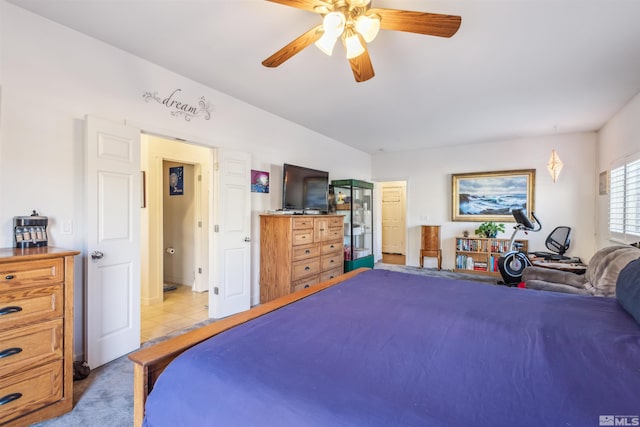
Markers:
point(181, 308)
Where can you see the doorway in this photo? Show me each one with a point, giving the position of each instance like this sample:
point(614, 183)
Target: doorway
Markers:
point(124, 231)
point(176, 220)
point(394, 229)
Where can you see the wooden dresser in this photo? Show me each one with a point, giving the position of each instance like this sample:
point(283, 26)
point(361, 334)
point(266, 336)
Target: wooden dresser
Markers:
point(36, 334)
point(297, 251)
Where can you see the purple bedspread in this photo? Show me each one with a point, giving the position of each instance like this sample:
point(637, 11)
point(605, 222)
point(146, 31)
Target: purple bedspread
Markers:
point(393, 349)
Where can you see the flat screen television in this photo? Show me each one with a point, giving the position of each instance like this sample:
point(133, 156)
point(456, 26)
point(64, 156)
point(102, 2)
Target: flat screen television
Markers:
point(304, 189)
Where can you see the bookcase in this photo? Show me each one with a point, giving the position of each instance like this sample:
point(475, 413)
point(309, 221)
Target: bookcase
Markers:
point(479, 255)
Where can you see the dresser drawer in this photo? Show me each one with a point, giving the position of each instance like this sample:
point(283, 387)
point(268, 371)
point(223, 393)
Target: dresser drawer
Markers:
point(302, 237)
point(334, 233)
point(306, 251)
point(302, 223)
point(327, 275)
point(330, 262)
point(336, 221)
point(16, 275)
point(30, 346)
point(305, 268)
point(30, 305)
point(30, 390)
point(305, 283)
point(329, 248)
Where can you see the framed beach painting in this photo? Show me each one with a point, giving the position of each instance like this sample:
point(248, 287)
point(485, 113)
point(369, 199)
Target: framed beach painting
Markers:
point(490, 196)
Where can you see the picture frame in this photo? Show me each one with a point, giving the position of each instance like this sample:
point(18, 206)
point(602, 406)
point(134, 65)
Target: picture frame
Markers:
point(490, 196)
point(176, 181)
point(259, 181)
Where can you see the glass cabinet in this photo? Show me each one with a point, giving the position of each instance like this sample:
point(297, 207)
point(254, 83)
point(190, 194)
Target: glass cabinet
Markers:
point(354, 200)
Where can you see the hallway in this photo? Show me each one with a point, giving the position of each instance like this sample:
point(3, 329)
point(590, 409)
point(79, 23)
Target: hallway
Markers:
point(181, 308)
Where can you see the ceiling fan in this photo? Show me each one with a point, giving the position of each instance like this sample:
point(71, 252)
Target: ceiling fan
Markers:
point(356, 23)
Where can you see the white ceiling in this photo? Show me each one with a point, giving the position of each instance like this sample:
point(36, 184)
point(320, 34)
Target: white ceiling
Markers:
point(516, 68)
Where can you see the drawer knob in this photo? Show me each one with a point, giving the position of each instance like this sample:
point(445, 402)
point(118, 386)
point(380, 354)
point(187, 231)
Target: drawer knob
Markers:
point(332, 261)
point(307, 251)
point(10, 309)
point(10, 352)
point(9, 277)
point(10, 398)
point(307, 268)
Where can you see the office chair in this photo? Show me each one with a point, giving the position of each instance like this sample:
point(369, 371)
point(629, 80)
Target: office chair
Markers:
point(558, 242)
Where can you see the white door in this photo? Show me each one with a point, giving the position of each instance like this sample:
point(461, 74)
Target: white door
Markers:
point(393, 218)
point(112, 294)
point(231, 291)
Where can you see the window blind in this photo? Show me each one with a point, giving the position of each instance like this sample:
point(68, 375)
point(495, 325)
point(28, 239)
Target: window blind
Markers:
point(624, 202)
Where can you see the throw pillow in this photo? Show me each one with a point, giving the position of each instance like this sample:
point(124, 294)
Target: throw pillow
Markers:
point(628, 289)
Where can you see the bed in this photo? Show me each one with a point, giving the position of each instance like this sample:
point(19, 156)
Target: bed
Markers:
point(382, 348)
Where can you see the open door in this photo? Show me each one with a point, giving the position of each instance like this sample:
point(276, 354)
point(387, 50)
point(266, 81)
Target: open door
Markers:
point(231, 291)
point(112, 292)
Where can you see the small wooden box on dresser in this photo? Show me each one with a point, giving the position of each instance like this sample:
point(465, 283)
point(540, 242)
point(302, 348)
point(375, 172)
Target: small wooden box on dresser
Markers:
point(297, 251)
point(36, 334)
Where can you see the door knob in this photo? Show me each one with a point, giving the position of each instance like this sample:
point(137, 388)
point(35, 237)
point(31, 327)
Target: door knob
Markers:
point(247, 239)
point(96, 255)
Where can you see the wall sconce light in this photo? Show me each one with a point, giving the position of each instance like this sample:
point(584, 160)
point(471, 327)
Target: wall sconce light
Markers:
point(554, 166)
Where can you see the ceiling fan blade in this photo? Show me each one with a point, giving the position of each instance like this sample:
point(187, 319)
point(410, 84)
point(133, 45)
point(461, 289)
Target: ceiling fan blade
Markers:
point(431, 24)
point(294, 47)
point(310, 5)
point(361, 66)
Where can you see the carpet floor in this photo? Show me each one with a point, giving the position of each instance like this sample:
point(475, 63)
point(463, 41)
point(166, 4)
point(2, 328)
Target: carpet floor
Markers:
point(105, 397)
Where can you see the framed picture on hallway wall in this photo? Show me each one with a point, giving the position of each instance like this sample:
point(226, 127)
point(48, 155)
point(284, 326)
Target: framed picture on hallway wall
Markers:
point(490, 196)
point(176, 181)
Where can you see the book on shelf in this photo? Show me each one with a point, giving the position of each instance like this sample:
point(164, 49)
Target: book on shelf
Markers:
point(480, 266)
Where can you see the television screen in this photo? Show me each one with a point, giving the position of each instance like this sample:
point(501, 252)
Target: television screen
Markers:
point(304, 189)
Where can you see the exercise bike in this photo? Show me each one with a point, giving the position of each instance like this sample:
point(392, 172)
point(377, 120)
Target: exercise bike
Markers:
point(512, 263)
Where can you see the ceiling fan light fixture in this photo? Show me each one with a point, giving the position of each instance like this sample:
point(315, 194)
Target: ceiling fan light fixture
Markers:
point(352, 44)
point(326, 43)
point(333, 23)
point(368, 26)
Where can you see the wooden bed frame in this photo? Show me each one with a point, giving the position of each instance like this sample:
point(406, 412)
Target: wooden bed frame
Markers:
point(150, 362)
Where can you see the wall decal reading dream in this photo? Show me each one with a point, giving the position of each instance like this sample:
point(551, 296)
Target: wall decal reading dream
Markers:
point(180, 108)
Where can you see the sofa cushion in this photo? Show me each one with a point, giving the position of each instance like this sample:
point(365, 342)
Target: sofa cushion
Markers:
point(628, 289)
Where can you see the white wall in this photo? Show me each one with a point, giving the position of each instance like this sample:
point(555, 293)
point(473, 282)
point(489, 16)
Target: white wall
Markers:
point(53, 76)
point(619, 138)
point(570, 201)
